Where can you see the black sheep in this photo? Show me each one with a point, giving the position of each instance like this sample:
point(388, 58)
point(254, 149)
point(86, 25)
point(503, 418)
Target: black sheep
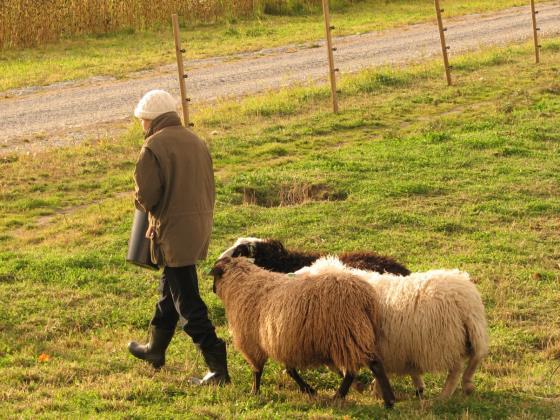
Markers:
point(272, 255)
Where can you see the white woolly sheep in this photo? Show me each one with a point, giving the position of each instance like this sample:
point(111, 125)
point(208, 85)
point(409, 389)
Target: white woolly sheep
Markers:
point(301, 322)
point(430, 322)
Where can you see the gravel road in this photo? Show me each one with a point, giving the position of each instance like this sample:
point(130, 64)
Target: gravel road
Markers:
point(64, 113)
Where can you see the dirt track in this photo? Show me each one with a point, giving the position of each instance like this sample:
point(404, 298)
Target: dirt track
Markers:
point(34, 118)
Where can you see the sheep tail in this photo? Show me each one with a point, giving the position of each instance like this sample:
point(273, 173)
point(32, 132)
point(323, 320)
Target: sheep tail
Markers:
point(477, 337)
point(477, 346)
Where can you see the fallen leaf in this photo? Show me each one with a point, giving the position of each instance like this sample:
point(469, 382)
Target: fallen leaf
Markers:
point(43, 357)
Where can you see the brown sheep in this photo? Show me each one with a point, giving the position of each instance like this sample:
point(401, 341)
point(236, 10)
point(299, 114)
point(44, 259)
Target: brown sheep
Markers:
point(301, 322)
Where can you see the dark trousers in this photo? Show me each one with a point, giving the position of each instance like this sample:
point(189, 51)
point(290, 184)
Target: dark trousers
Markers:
point(180, 300)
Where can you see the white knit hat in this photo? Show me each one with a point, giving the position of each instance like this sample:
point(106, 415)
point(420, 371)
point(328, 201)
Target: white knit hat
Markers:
point(155, 103)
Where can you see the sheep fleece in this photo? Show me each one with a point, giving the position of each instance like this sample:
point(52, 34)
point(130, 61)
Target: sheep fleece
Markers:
point(428, 320)
point(300, 321)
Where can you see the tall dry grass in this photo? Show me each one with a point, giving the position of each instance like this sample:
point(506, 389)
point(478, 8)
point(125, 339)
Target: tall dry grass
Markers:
point(25, 23)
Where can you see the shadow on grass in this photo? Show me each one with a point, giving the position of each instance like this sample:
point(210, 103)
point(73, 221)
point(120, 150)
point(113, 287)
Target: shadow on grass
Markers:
point(494, 405)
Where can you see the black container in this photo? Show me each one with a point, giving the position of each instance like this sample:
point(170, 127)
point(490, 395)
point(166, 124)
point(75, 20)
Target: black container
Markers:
point(138, 244)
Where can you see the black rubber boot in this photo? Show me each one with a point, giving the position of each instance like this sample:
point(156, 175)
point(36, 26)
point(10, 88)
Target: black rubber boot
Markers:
point(216, 360)
point(154, 351)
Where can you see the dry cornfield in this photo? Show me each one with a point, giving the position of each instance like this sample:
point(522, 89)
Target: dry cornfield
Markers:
point(25, 23)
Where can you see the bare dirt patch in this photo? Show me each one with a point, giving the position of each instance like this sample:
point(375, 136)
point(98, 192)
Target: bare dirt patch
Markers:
point(290, 194)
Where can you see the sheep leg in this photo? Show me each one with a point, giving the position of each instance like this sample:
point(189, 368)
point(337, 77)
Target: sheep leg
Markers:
point(382, 382)
point(468, 385)
point(256, 381)
point(344, 386)
point(451, 381)
point(303, 386)
point(418, 384)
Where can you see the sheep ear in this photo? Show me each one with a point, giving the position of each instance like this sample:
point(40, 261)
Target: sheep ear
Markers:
point(217, 271)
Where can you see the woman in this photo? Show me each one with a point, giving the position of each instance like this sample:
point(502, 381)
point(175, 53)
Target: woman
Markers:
point(175, 186)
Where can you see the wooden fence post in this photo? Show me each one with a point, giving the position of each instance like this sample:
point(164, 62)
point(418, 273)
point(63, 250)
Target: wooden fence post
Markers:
point(444, 46)
point(181, 71)
point(330, 49)
point(535, 32)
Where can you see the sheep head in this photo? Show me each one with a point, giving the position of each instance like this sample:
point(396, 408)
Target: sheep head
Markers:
point(243, 247)
point(218, 271)
point(231, 265)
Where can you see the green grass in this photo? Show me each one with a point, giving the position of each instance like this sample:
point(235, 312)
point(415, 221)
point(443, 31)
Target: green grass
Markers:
point(119, 54)
point(463, 177)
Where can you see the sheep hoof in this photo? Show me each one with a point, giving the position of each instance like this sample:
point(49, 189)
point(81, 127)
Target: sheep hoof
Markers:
point(389, 404)
point(419, 393)
point(468, 388)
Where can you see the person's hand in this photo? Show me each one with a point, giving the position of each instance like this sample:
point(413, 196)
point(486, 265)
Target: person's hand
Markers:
point(151, 232)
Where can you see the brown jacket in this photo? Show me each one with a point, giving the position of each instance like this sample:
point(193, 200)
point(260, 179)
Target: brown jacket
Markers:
point(175, 185)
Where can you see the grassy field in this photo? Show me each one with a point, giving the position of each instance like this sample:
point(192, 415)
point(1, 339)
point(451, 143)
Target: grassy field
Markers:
point(128, 51)
point(463, 177)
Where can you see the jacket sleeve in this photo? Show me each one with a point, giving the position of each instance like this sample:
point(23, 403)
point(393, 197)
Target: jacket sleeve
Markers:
point(148, 179)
